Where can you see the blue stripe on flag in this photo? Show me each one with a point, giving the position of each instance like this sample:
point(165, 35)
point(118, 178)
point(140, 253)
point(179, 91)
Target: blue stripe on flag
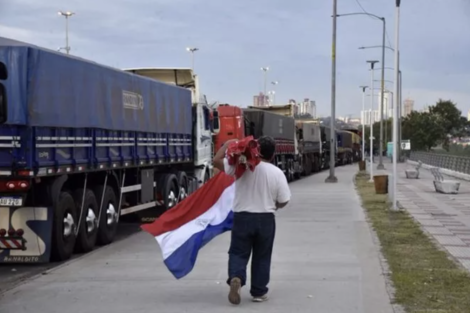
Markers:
point(182, 261)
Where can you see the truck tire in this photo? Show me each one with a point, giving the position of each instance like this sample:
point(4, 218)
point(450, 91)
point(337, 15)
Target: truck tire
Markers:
point(169, 191)
point(183, 185)
point(109, 215)
point(88, 228)
point(64, 227)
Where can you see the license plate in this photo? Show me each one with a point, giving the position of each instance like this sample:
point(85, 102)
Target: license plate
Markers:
point(8, 201)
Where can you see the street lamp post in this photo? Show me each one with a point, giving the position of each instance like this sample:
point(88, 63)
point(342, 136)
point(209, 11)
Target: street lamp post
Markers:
point(384, 33)
point(265, 70)
point(395, 109)
point(363, 122)
point(372, 64)
point(192, 50)
point(399, 94)
point(332, 178)
point(66, 14)
point(381, 165)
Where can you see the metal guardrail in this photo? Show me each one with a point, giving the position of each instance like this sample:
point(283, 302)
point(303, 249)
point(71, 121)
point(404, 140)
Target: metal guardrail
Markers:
point(451, 162)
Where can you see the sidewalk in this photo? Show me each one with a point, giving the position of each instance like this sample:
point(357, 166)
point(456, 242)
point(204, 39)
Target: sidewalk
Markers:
point(445, 217)
point(324, 261)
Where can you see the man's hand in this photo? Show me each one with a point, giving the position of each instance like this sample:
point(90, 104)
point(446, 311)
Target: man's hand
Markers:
point(220, 155)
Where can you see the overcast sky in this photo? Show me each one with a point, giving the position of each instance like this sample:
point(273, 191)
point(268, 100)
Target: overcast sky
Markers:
point(236, 38)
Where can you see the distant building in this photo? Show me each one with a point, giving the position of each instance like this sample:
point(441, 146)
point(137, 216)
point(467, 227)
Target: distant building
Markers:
point(296, 106)
point(308, 107)
point(367, 115)
point(408, 106)
point(388, 105)
point(468, 115)
point(260, 100)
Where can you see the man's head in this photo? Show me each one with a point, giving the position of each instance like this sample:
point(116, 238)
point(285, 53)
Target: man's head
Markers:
point(267, 147)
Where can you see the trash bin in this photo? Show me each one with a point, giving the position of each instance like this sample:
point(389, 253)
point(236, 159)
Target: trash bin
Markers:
point(362, 165)
point(381, 184)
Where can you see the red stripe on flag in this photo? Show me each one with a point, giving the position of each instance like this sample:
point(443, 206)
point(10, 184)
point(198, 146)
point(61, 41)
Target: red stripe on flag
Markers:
point(190, 208)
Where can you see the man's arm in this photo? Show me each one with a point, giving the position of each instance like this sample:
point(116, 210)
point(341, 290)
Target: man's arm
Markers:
point(220, 156)
point(283, 192)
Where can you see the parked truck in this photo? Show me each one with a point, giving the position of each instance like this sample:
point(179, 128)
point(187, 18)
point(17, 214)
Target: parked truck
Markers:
point(345, 145)
point(308, 154)
point(232, 124)
point(282, 128)
point(83, 144)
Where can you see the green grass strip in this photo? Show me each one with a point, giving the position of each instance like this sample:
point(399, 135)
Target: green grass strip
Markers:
point(425, 278)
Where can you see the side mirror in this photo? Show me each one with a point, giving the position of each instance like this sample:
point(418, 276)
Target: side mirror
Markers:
point(215, 121)
point(3, 71)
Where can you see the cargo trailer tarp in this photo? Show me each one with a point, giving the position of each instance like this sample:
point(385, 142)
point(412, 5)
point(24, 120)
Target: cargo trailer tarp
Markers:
point(50, 89)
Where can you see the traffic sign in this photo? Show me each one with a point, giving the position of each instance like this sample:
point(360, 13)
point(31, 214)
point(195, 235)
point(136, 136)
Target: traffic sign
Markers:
point(405, 145)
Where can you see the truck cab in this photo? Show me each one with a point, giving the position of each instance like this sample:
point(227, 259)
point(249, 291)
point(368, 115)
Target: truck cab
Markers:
point(232, 124)
point(205, 122)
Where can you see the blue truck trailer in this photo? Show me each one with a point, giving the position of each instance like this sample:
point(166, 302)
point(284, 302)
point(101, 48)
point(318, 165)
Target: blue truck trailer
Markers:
point(82, 144)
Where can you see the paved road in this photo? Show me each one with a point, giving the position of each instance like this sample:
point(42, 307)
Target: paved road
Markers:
point(13, 274)
point(324, 261)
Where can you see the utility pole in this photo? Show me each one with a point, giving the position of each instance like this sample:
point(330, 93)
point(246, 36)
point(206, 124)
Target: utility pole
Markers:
point(395, 109)
point(66, 14)
point(381, 165)
point(363, 122)
point(372, 64)
point(332, 178)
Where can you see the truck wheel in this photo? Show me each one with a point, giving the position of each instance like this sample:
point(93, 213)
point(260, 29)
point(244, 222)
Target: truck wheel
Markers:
point(109, 215)
point(64, 227)
point(170, 191)
point(88, 228)
point(316, 159)
point(183, 185)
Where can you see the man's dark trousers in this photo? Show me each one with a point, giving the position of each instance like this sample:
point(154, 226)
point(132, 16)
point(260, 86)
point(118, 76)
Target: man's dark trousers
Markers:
point(252, 232)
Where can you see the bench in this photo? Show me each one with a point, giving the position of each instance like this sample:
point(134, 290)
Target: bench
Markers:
point(413, 173)
point(442, 185)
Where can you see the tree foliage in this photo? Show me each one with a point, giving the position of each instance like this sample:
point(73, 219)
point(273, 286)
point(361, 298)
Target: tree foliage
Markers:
point(428, 129)
point(423, 129)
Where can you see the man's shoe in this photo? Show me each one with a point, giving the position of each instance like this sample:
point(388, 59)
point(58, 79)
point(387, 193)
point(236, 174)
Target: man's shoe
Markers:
point(234, 294)
point(260, 299)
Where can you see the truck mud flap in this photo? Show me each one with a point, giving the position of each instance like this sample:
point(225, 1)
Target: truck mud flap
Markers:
point(34, 244)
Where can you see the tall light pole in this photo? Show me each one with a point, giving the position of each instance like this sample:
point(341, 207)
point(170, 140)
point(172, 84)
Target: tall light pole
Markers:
point(192, 50)
point(372, 64)
point(381, 165)
point(265, 70)
point(332, 178)
point(395, 108)
point(399, 96)
point(66, 14)
point(363, 124)
point(384, 33)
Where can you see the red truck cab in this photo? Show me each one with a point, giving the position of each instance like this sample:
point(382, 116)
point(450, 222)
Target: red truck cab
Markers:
point(232, 125)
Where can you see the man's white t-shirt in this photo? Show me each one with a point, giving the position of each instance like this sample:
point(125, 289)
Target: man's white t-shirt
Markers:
point(258, 191)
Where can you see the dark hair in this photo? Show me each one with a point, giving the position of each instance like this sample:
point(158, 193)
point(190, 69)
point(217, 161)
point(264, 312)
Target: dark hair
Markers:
point(267, 147)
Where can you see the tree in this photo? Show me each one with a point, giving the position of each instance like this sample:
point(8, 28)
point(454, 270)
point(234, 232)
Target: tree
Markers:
point(424, 130)
point(450, 120)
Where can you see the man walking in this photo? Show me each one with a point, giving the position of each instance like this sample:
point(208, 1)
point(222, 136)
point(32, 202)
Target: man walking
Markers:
point(258, 195)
